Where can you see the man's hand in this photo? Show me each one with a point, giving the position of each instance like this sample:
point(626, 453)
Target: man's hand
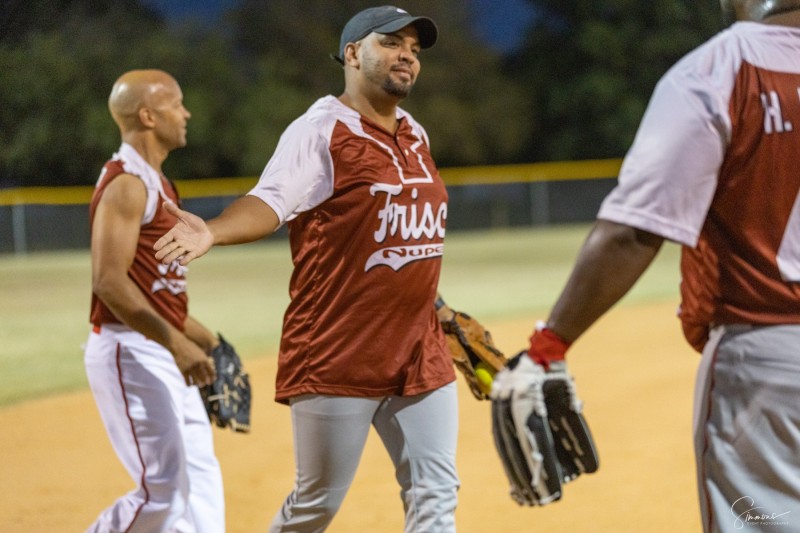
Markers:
point(189, 239)
point(539, 431)
point(195, 365)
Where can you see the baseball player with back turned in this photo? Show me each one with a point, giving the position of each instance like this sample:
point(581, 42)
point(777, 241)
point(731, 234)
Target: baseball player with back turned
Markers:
point(714, 168)
point(361, 345)
point(144, 350)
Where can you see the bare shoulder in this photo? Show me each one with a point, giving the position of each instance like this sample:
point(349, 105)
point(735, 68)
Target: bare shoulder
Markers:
point(126, 195)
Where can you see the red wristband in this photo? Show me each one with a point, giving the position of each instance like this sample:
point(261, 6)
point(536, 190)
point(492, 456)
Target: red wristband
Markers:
point(547, 346)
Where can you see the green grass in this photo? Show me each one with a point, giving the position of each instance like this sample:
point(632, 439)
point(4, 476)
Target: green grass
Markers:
point(242, 292)
point(505, 273)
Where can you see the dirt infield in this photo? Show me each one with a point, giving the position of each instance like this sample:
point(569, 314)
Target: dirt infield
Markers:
point(633, 371)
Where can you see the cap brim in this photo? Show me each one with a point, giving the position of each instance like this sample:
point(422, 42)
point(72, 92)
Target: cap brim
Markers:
point(427, 32)
point(426, 29)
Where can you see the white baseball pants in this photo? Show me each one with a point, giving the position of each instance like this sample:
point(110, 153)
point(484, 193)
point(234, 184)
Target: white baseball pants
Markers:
point(160, 431)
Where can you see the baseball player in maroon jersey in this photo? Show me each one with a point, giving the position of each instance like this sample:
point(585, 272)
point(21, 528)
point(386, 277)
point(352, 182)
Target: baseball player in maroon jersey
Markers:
point(362, 346)
point(145, 355)
point(713, 168)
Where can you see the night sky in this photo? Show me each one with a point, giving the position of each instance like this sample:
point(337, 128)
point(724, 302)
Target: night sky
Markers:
point(500, 22)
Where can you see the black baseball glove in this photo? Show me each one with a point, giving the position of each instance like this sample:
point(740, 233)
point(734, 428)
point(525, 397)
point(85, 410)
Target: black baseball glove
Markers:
point(227, 399)
point(539, 431)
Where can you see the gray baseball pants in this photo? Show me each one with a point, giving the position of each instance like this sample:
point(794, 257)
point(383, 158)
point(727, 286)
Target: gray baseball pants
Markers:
point(747, 429)
point(420, 434)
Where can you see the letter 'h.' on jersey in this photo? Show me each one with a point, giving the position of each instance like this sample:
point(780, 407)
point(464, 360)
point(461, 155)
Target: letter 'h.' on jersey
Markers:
point(714, 166)
point(366, 212)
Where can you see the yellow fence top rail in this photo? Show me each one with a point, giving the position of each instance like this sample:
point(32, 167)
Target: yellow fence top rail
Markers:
point(76, 195)
point(532, 172)
point(454, 176)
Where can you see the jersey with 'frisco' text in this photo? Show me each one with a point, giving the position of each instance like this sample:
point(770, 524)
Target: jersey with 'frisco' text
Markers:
point(366, 212)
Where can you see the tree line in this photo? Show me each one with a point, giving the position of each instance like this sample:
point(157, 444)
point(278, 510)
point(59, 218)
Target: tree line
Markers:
point(575, 88)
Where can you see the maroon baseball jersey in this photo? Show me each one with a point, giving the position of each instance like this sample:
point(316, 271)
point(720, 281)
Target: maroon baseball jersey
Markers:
point(163, 286)
point(712, 167)
point(366, 211)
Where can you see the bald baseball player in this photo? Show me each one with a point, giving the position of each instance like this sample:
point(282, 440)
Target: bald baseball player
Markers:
point(713, 168)
point(361, 345)
point(145, 355)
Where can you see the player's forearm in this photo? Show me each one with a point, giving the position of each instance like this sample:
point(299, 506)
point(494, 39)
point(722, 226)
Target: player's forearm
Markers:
point(246, 219)
point(199, 334)
point(612, 259)
point(130, 306)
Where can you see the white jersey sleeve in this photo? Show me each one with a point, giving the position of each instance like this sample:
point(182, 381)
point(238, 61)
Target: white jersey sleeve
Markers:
point(299, 175)
point(669, 176)
point(134, 164)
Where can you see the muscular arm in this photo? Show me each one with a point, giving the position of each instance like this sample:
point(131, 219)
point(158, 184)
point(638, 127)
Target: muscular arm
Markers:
point(199, 334)
point(115, 234)
point(610, 262)
point(247, 219)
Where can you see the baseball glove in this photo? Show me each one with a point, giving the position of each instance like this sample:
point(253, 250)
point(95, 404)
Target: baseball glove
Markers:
point(539, 431)
point(473, 353)
point(227, 399)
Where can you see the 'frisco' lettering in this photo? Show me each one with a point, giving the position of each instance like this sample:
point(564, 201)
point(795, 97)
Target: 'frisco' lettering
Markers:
point(406, 219)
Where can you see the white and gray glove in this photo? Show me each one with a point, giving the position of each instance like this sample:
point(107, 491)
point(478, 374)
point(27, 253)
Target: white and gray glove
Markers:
point(539, 431)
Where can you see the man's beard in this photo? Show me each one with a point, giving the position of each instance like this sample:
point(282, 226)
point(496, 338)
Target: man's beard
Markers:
point(400, 90)
point(392, 87)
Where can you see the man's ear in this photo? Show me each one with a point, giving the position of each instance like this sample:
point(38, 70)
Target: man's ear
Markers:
point(146, 117)
point(351, 55)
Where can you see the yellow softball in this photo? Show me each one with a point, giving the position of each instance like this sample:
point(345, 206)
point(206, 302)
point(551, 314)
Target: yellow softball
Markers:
point(485, 375)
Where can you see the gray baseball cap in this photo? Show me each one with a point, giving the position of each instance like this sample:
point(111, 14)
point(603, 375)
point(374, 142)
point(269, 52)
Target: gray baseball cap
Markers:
point(385, 19)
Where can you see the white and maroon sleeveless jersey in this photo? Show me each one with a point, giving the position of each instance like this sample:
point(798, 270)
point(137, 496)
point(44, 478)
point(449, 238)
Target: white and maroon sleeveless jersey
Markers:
point(366, 213)
point(163, 286)
point(713, 167)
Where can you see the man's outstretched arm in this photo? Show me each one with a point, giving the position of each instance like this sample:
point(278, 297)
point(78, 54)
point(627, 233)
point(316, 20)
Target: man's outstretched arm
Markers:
point(610, 262)
point(247, 219)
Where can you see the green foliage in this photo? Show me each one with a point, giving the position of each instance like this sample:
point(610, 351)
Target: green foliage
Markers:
point(59, 60)
point(243, 82)
point(576, 89)
point(264, 112)
point(46, 102)
point(591, 65)
point(473, 113)
point(20, 18)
